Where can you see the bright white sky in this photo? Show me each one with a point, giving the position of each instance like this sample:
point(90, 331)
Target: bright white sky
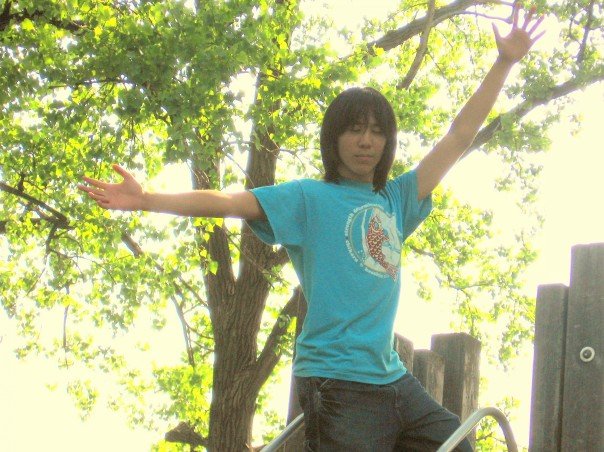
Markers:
point(33, 418)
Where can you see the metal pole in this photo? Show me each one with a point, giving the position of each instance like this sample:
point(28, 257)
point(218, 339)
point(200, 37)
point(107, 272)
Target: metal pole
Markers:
point(472, 421)
point(289, 430)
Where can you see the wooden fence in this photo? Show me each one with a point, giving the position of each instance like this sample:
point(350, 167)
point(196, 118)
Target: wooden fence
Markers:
point(567, 406)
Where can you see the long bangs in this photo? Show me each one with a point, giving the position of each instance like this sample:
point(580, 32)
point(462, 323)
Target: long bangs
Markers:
point(350, 107)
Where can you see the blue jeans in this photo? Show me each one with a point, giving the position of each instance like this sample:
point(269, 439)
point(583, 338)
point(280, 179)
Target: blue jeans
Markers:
point(349, 417)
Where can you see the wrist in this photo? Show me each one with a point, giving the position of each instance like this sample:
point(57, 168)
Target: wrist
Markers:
point(144, 201)
point(504, 62)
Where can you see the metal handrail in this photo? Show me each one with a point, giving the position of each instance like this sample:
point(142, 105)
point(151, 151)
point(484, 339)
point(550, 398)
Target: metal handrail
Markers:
point(472, 421)
point(280, 440)
point(456, 438)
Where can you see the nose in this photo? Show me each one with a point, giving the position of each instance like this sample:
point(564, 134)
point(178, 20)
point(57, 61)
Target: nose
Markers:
point(365, 138)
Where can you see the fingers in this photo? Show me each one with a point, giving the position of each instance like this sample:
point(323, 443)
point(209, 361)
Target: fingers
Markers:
point(515, 14)
point(496, 32)
point(534, 40)
point(528, 17)
point(122, 171)
point(98, 197)
point(536, 25)
point(95, 182)
point(111, 195)
point(104, 185)
point(495, 29)
point(97, 194)
point(91, 191)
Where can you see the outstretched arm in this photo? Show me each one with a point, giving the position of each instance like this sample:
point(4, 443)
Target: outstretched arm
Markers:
point(512, 48)
point(129, 195)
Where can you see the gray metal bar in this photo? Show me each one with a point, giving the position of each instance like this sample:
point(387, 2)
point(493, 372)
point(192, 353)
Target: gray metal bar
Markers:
point(280, 440)
point(447, 446)
point(472, 421)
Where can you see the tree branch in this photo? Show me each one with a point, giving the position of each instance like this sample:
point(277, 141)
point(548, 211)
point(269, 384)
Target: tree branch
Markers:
point(279, 258)
point(421, 50)
point(6, 18)
point(270, 355)
point(59, 220)
point(420, 251)
point(487, 132)
point(260, 171)
point(138, 252)
point(395, 38)
point(65, 313)
point(586, 30)
point(184, 433)
point(222, 284)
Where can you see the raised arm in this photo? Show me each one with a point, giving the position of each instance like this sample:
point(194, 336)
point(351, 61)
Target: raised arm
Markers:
point(512, 48)
point(129, 195)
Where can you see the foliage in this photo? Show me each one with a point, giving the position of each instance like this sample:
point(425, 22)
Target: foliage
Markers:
point(233, 91)
point(489, 436)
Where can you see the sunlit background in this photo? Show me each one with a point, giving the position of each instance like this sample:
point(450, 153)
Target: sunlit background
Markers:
point(34, 418)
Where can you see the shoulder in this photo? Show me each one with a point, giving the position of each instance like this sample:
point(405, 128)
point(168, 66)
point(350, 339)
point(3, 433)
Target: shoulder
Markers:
point(294, 183)
point(402, 182)
point(311, 182)
point(294, 191)
point(281, 187)
point(408, 177)
point(314, 185)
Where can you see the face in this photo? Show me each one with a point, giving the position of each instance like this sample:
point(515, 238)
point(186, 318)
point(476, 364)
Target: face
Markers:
point(360, 149)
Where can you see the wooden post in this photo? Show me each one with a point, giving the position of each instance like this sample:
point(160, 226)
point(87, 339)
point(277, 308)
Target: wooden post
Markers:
point(429, 369)
point(296, 442)
point(583, 401)
point(548, 368)
point(404, 348)
point(461, 354)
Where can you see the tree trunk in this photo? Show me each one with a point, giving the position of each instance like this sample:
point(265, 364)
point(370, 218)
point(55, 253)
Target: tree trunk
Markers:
point(234, 391)
point(231, 413)
point(236, 312)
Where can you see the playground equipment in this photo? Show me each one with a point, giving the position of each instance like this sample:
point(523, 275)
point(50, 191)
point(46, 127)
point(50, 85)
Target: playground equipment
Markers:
point(567, 404)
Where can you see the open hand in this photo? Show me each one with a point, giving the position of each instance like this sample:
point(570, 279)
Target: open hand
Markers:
point(513, 47)
point(127, 195)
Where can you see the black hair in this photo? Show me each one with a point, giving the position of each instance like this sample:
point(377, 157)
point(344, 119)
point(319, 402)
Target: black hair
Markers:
point(350, 107)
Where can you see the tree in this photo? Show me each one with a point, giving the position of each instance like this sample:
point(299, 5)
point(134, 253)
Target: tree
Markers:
point(149, 83)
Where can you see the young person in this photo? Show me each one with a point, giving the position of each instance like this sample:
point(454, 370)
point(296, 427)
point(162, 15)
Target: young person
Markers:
point(344, 236)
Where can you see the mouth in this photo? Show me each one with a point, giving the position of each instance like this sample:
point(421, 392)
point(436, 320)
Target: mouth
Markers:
point(364, 158)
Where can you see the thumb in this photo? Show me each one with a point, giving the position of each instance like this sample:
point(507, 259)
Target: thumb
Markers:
point(121, 171)
point(496, 32)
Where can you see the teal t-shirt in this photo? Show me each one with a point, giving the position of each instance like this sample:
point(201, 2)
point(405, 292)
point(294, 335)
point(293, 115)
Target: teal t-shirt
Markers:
point(345, 242)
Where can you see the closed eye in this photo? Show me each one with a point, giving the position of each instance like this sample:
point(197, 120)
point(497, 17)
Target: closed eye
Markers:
point(360, 127)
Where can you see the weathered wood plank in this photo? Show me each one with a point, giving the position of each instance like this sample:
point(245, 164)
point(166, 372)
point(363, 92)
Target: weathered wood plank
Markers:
point(429, 369)
point(461, 353)
point(548, 368)
point(583, 401)
point(404, 348)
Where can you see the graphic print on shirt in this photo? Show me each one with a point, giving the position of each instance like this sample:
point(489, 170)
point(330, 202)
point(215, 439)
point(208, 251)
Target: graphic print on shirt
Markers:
point(374, 241)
